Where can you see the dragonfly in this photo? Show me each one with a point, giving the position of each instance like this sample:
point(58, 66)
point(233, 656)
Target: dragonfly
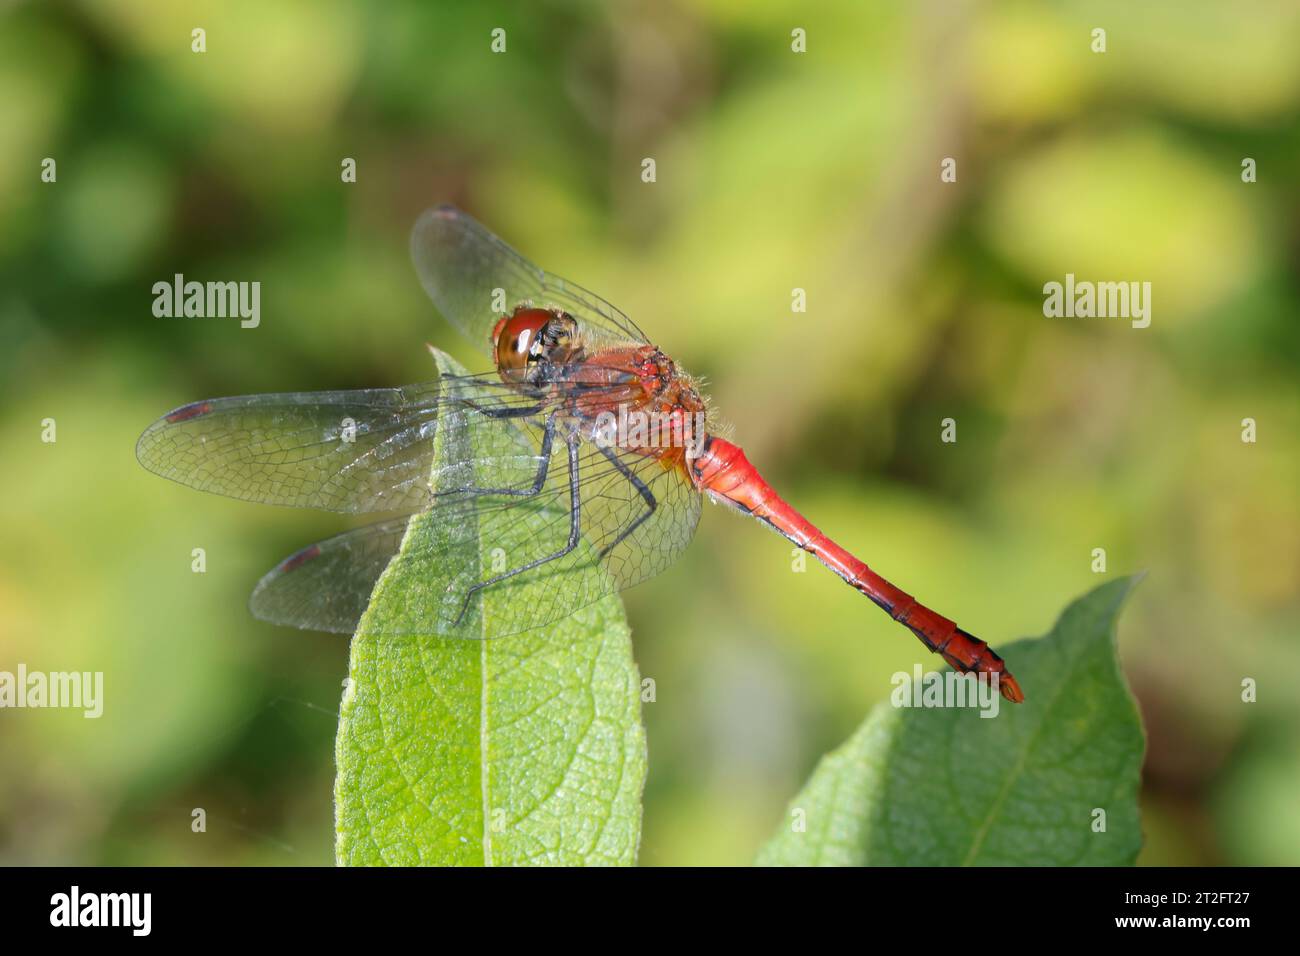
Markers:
point(580, 461)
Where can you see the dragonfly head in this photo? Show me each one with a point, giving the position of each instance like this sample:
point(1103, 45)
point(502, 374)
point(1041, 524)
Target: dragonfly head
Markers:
point(530, 341)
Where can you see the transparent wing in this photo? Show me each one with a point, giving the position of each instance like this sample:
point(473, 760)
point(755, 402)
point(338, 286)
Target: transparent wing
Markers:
point(366, 450)
point(326, 587)
point(474, 278)
point(456, 575)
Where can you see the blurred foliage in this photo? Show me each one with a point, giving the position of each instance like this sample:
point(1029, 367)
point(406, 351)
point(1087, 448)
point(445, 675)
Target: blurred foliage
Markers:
point(775, 171)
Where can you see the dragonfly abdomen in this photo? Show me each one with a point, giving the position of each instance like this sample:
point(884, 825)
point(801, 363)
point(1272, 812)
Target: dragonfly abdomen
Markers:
point(723, 472)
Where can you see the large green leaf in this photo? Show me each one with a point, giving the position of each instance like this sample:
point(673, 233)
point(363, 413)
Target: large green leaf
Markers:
point(526, 749)
point(943, 787)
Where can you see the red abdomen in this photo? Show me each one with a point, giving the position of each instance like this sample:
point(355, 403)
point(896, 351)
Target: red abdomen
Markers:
point(725, 474)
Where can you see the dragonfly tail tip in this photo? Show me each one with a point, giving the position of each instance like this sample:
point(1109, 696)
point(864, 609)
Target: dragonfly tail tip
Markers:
point(1010, 688)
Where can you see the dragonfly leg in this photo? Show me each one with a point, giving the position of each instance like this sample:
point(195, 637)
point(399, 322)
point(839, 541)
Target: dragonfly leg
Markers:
point(523, 411)
point(646, 494)
point(539, 480)
point(575, 532)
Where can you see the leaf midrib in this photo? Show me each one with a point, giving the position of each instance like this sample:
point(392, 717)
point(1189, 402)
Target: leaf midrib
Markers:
point(483, 750)
point(1011, 777)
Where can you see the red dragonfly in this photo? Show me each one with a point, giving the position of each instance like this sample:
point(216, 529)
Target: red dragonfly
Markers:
point(581, 461)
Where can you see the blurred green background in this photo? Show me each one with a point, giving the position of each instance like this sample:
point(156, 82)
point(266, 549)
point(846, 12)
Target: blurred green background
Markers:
point(775, 171)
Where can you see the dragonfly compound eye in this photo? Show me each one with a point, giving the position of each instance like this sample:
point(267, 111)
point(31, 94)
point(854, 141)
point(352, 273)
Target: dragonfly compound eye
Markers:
point(519, 341)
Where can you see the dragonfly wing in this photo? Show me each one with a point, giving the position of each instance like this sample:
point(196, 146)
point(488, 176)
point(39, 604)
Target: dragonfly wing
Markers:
point(368, 450)
point(638, 513)
point(447, 551)
point(474, 278)
point(488, 565)
point(327, 586)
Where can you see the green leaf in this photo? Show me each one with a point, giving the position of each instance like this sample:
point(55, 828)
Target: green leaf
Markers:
point(526, 749)
point(945, 787)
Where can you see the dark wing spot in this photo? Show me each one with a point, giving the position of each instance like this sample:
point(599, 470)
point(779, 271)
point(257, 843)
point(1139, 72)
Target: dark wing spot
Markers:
point(302, 557)
point(186, 412)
